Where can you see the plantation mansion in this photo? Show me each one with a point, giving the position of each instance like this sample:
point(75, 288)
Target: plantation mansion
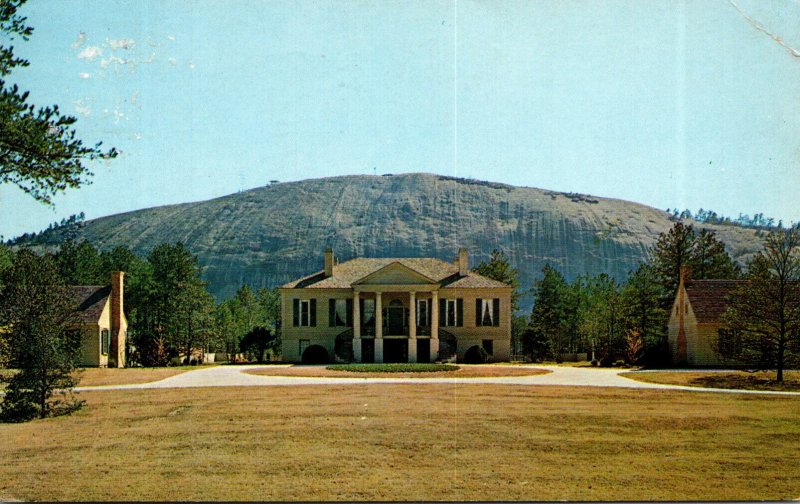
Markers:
point(395, 310)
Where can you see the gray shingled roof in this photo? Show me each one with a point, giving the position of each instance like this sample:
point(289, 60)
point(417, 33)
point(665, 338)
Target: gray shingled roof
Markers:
point(90, 301)
point(442, 272)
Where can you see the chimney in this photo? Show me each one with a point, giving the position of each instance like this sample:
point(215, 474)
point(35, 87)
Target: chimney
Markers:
point(463, 262)
point(685, 276)
point(118, 323)
point(328, 262)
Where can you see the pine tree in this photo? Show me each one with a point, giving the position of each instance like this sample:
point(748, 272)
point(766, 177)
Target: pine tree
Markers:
point(763, 315)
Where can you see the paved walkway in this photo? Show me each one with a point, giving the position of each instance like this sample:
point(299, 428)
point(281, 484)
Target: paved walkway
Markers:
point(235, 376)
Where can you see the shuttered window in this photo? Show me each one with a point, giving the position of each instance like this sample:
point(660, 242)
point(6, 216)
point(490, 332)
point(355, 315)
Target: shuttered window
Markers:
point(304, 312)
point(451, 312)
point(487, 312)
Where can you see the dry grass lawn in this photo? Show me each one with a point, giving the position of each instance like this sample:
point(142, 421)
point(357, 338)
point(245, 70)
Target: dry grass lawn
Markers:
point(90, 377)
point(464, 371)
point(762, 380)
point(408, 442)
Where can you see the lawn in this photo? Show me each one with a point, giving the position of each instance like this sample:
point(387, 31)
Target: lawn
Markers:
point(408, 442)
point(90, 377)
point(401, 371)
point(762, 380)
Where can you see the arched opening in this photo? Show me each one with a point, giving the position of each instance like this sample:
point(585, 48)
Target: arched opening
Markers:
point(315, 354)
point(476, 355)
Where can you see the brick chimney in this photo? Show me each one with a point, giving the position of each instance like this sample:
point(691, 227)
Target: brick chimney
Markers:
point(119, 325)
point(463, 262)
point(328, 262)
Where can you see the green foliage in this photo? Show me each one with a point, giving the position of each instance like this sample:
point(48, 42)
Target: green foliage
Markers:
point(35, 313)
point(393, 368)
point(763, 315)
point(681, 246)
point(255, 344)
point(39, 150)
point(644, 313)
point(499, 268)
point(547, 315)
point(244, 312)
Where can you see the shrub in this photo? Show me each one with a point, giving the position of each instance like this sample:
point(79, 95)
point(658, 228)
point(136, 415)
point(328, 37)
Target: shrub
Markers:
point(393, 368)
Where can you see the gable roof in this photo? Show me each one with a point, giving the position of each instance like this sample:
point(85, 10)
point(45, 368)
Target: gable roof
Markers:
point(90, 301)
point(708, 298)
point(349, 272)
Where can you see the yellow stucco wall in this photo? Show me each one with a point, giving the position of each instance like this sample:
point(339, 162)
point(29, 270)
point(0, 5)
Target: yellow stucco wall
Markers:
point(700, 338)
point(325, 336)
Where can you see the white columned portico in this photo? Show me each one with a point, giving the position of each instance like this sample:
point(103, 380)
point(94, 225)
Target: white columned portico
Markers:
point(434, 326)
point(356, 327)
point(378, 328)
point(412, 327)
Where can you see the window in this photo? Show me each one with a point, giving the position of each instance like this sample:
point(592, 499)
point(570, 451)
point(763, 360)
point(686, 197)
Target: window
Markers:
point(304, 343)
point(451, 312)
point(487, 312)
point(304, 312)
point(368, 312)
point(340, 312)
point(423, 312)
point(488, 345)
point(104, 341)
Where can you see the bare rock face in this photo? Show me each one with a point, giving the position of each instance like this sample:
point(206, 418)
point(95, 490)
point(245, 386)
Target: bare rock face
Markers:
point(267, 236)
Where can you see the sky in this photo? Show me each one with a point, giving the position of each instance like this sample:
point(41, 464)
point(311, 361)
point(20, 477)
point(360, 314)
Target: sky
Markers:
point(674, 104)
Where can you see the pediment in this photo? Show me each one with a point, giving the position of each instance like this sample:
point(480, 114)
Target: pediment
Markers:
point(395, 273)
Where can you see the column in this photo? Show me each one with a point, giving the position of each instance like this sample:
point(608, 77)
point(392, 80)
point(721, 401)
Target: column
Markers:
point(412, 327)
point(378, 328)
point(356, 327)
point(434, 326)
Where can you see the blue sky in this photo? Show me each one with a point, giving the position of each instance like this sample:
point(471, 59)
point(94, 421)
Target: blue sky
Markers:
point(669, 103)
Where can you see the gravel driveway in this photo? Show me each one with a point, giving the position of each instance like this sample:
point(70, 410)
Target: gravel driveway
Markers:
point(235, 376)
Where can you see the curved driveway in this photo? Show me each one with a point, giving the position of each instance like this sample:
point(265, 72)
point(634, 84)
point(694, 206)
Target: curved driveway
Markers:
point(235, 376)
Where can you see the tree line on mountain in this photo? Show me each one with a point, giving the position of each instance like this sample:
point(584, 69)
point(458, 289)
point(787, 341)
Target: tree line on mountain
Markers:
point(757, 221)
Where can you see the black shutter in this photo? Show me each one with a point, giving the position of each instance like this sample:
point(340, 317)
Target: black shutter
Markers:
point(349, 307)
point(331, 312)
point(313, 313)
point(459, 312)
point(361, 311)
point(442, 313)
point(295, 312)
point(478, 319)
point(496, 311)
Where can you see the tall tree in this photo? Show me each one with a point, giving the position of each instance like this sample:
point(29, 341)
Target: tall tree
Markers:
point(79, 263)
point(39, 150)
point(601, 320)
point(547, 315)
point(682, 246)
point(643, 313)
point(36, 311)
point(763, 315)
point(499, 268)
point(710, 260)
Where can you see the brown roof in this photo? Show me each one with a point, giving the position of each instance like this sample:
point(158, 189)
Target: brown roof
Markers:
point(708, 298)
point(90, 301)
point(442, 272)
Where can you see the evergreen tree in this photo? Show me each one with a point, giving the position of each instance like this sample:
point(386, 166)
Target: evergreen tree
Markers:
point(763, 315)
point(36, 311)
point(547, 315)
point(39, 150)
point(499, 268)
point(643, 312)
